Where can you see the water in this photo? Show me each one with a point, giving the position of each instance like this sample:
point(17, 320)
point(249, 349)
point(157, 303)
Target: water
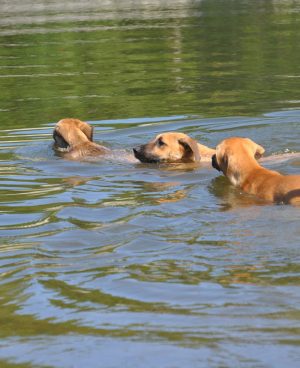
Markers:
point(113, 262)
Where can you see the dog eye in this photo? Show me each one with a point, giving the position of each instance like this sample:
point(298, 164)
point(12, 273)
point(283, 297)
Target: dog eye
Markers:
point(160, 143)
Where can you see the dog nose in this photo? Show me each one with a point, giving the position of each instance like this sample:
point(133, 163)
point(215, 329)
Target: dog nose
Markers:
point(136, 152)
point(137, 149)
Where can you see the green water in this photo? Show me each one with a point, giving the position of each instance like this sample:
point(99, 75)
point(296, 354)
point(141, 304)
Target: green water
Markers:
point(115, 263)
point(210, 58)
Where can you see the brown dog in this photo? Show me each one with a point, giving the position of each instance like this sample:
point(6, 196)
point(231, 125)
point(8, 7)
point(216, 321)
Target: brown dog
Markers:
point(173, 147)
point(236, 158)
point(75, 137)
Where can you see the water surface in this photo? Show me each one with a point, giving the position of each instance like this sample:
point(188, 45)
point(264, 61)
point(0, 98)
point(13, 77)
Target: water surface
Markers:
point(113, 262)
point(131, 59)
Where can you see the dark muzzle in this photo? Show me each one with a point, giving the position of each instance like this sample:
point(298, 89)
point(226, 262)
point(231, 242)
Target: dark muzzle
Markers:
point(140, 153)
point(60, 143)
point(214, 163)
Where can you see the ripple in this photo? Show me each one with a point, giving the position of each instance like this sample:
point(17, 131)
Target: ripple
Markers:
point(44, 75)
point(147, 253)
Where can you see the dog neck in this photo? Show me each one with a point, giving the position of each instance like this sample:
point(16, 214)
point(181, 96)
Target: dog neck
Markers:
point(244, 174)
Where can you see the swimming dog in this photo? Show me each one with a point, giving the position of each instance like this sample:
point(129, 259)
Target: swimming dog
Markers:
point(74, 139)
point(237, 158)
point(173, 147)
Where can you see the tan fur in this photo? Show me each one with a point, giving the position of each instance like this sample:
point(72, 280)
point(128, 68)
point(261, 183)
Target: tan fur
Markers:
point(173, 147)
point(236, 158)
point(79, 137)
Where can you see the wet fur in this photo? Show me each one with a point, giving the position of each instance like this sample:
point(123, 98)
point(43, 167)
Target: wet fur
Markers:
point(236, 158)
point(74, 139)
point(173, 147)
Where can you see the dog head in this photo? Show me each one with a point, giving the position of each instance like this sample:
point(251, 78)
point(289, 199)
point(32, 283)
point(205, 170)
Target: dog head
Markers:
point(233, 155)
point(71, 132)
point(169, 147)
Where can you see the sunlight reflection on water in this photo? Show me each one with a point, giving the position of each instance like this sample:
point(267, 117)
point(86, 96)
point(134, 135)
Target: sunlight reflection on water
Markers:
point(165, 265)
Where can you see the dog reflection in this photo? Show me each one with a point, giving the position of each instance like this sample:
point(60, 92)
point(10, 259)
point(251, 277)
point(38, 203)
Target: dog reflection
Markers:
point(231, 197)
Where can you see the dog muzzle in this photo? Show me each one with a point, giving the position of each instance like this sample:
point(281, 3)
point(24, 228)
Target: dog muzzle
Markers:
point(214, 163)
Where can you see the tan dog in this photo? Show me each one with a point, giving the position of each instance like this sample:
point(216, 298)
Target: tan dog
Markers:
point(236, 158)
point(173, 147)
point(75, 137)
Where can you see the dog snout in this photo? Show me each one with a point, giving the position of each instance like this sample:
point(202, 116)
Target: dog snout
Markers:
point(214, 162)
point(136, 150)
point(142, 154)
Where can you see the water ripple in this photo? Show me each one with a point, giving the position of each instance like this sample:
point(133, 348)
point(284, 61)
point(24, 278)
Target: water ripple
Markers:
point(139, 252)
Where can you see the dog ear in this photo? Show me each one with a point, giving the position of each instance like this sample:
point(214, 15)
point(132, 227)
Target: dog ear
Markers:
point(224, 163)
point(88, 130)
point(214, 162)
point(227, 164)
point(191, 150)
point(259, 151)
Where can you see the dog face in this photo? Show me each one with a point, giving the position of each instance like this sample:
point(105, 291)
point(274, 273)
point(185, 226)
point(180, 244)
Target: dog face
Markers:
point(169, 147)
point(232, 155)
point(70, 132)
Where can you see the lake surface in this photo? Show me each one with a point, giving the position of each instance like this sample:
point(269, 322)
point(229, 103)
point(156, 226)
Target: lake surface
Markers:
point(114, 263)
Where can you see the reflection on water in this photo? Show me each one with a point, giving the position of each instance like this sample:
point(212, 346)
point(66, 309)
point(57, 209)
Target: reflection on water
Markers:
point(108, 59)
point(165, 265)
point(145, 258)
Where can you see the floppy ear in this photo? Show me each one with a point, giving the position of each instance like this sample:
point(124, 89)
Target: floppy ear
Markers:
point(88, 130)
point(224, 163)
point(259, 152)
point(191, 150)
point(214, 162)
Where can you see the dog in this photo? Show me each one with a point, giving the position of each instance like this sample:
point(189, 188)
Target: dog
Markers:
point(173, 147)
point(74, 139)
point(237, 159)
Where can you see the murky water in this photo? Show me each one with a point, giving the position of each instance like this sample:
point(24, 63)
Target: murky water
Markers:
point(115, 263)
